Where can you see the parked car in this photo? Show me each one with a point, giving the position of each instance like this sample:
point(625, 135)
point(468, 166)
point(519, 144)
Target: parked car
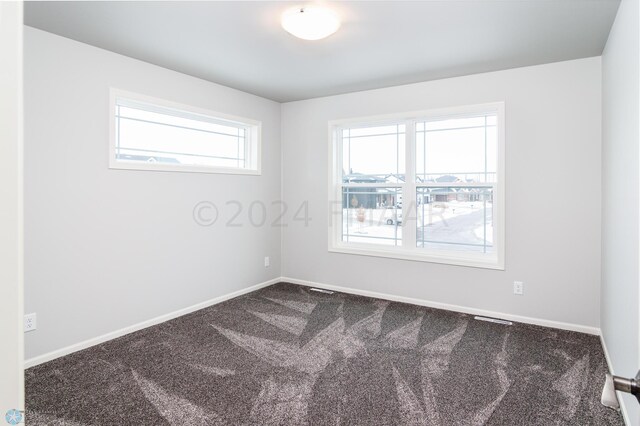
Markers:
point(393, 216)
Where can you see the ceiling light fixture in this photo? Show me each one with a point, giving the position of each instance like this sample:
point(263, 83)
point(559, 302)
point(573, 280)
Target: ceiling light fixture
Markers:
point(310, 23)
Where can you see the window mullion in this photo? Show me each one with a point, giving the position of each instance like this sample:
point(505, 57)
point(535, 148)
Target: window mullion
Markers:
point(337, 220)
point(409, 220)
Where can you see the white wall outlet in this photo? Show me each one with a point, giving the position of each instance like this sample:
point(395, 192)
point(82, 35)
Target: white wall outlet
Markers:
point(29, 322)
point(267, 262)
point(518, 288)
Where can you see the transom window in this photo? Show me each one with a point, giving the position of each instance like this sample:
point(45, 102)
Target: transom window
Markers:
point(422, 186)
point(152, 134)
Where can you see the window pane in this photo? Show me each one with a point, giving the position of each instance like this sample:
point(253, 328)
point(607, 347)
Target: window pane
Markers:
point(454, 123)
point(202, 123)
point(455, 219)
point(456, 150)
point(372, 215)
point(492, 153)
point(161, 135)
point(355, 132)
point(374, 154)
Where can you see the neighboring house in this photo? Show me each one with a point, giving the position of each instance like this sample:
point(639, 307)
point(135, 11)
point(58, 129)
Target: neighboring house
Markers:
point(371, 198)
point(147, 158)
point(454, 193)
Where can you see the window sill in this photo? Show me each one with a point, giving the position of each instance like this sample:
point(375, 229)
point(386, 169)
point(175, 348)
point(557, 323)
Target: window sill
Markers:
point(484, 262)
point(122, 165)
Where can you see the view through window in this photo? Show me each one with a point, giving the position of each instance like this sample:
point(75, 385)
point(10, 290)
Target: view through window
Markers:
point(423, 187)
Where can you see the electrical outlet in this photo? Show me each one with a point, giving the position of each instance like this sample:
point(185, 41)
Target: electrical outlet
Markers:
point(518, 288)
point(267, 262)
point(29, 322)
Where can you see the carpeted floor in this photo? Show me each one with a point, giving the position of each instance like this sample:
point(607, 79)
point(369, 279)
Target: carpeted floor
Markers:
point(287, 356)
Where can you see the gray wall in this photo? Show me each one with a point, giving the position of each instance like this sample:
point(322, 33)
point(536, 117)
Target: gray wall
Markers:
point(105, 249)
point(553, 180)
point(620, 190)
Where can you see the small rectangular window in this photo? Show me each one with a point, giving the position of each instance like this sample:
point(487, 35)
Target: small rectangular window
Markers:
point(152, 134)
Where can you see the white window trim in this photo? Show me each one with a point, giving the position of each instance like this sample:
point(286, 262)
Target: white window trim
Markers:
point(254, 137)
point(409, 250)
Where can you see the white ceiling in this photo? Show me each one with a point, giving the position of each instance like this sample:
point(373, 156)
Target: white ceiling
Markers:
point(381, 43)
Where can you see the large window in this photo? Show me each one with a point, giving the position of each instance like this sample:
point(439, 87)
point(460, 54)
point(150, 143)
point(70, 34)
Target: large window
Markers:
point(422, 186)
point(152, 134)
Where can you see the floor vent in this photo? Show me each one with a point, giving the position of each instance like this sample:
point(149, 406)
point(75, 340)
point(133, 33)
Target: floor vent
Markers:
point(497, 321)
point(320, 290)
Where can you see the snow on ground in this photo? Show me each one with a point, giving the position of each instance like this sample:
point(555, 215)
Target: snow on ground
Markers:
point(449, 225)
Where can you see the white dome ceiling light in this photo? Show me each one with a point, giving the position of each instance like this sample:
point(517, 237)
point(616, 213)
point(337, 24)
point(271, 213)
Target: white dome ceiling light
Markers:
point(310, 23)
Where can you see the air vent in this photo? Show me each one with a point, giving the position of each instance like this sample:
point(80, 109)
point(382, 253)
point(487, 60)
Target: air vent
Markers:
point(495, 320)
point(320, 290)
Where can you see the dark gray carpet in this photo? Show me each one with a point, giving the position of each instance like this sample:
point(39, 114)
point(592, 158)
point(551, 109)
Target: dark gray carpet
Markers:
point(287, 356)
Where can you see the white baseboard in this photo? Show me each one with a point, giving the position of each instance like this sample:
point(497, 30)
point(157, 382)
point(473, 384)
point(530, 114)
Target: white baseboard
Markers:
point(621, 401)
point(160, 319)
point(32, 362)
point(449, 307)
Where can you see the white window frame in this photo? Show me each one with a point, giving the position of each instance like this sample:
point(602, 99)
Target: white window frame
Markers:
point(409, 250)
point(253, 128)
